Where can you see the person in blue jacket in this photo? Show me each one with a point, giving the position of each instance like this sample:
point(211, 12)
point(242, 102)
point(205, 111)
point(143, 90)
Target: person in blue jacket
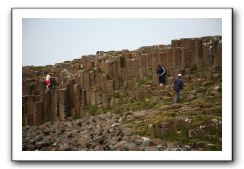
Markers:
point(161, 75)
point(177, 86)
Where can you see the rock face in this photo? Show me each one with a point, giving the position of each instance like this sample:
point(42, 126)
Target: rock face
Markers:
point(93, 79)
point(100, 102)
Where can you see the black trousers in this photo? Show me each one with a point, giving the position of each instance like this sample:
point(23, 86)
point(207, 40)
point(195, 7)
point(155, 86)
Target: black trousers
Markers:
point(161, 79)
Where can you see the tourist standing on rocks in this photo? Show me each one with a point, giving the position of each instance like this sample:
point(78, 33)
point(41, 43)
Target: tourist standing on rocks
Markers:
point(211, 49)
point(177, 86)
point(48, 81)
point(161, 75)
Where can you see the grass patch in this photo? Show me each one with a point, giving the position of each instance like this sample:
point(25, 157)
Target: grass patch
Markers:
point(116, 109)
point(145, 104)
point(171, 126)
point(145, 79)
point(194, 67)
point(93, 109)
point(162, 102)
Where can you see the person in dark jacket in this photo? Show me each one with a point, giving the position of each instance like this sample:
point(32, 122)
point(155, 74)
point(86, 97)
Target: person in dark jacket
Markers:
point(177, 86)
point(161, 75)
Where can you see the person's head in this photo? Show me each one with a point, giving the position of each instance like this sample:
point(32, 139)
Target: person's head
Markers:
point(179, 75)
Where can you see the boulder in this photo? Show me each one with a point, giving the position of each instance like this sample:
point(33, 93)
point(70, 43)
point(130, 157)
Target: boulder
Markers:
point(190, 97)
point(176, 106)
point(201, 144)
point(99, 139)
point(131, 147)
point(83, 141)
point(165, 107)
point(64, 147)
point(127, 131)
point(120, 146)
point(217, 88)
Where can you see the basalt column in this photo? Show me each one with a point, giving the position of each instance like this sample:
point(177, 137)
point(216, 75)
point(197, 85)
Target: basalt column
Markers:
point(62, 103)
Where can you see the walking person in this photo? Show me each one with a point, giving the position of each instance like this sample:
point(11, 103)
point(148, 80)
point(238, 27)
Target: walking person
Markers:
point(161, 75)
point(177, 86)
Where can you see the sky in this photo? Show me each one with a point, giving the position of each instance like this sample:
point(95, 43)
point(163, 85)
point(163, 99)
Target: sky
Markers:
point(48, 41)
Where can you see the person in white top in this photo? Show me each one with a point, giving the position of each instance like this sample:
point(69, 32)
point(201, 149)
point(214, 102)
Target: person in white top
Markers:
point(47, 81)
point(211, 45)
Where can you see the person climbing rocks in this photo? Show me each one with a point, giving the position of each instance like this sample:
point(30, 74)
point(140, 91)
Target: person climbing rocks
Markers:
point(48, 81)
point(211, 50)
point(161, 75)
point(177, 86)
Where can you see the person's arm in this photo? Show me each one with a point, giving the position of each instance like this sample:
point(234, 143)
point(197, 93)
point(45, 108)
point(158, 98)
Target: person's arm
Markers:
point(205, 44)
point(162, 70)
point(173, 85)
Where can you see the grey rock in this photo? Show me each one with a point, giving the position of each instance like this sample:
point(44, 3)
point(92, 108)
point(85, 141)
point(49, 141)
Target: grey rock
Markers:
point(187, 147)
point(64, 147)
point(131, 147)
point(176, 106)
point(217, 88)
point(201, 90)
point(151, 149)
point(28, 147)
point(200, 95)
point(46, 131)
point(99, 139)
point(201, 144)
point(159, 146)
point(138, 141)
point(112, 141)
point(121, 145)
point(156, 142)
point(98, 148)
point(43, 143)
point(127, 131)
point(190, 97)
point(37, 138)
point(145, 141)
point(83, 141)
point(165, 107)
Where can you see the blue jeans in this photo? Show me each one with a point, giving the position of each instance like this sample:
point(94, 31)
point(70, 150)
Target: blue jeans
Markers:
point(177, 96)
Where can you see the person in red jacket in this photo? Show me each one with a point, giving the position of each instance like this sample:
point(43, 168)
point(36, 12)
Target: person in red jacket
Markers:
point(48, 81)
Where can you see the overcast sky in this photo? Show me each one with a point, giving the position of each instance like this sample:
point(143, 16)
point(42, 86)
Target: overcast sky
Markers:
point(50, 41)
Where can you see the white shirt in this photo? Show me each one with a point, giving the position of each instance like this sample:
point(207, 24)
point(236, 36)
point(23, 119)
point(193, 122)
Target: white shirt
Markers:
point(48, 77)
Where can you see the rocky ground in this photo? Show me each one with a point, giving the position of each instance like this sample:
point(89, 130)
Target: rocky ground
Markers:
point(104, 132)
point(148, 123)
